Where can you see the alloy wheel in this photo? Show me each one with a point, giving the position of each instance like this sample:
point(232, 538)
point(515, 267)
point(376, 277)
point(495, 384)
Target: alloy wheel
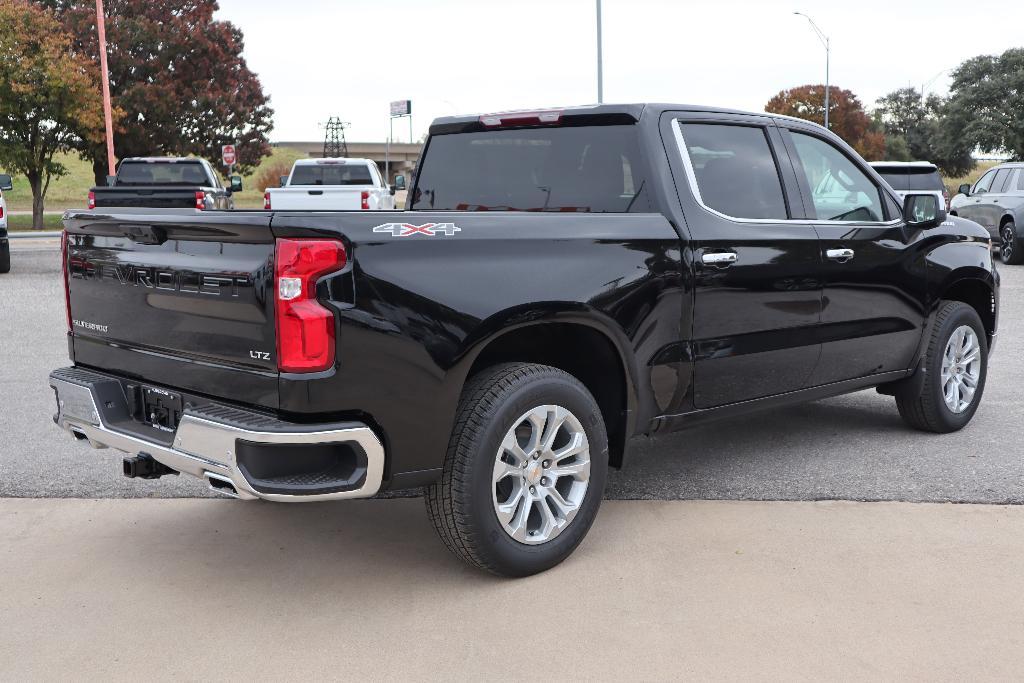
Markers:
point(961, 369)
point(541, 474)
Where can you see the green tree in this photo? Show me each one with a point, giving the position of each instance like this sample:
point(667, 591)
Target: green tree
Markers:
point(987, 100)
point(846, 115)
point(49, 97)
point(924, 127)
point(180, 75)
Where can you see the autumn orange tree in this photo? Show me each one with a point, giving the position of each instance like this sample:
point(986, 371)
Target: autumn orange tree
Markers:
point(49, 97)
point(179, 73)
point(846, 116)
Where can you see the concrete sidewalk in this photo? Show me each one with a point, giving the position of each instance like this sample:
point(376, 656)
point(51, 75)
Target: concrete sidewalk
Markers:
point(131, 589)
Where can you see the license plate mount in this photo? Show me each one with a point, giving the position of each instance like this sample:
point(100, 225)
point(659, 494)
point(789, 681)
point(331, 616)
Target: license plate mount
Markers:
point(162, 409)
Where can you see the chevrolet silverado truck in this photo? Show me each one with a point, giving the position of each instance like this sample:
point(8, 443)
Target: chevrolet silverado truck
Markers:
point(564, 283)
point(331, 184)
point(166, 182)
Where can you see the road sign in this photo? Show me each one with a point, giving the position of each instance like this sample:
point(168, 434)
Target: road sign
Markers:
point(227, 153)
point(401, 108)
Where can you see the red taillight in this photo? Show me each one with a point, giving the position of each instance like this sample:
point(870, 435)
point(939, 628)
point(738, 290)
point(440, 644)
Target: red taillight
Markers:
point(64, 269)
point(364, 200)
point(521, 118)
point(201, 200)
point(305, 329)
point(92, 200)
point(266, 201)
point(1, 210)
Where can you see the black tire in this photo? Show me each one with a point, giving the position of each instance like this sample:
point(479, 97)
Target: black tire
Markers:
point(461, 504)
point(5, 257)
point(1011, 251)
point(924, 407)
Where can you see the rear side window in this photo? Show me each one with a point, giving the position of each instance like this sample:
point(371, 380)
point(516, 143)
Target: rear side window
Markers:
point(1020, 179)
point(735, 170)
point(575, 169)
point(911, 179)
point(161, 173)
point(329, 174)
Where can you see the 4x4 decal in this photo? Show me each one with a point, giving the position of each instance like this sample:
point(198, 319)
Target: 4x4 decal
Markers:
point(428, 229)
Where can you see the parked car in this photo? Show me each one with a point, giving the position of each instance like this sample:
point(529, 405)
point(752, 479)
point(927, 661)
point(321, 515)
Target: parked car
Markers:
point(997, 202)
point(5, 245)
point(333, 184)
point(166, 183)
point(564, 283)
point(913, 176)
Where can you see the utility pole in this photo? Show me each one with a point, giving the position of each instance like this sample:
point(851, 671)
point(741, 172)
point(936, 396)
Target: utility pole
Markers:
point(334, 138)
point(828, 53)
point(105, 79)
point(600, 68)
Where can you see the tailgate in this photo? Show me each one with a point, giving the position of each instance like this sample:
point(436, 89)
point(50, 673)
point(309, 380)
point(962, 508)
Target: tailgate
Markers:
point(146, 197)
point(179, 299)
point(317, 198)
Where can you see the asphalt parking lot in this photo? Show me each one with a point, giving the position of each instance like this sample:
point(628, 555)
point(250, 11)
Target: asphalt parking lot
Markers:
point(852, 448)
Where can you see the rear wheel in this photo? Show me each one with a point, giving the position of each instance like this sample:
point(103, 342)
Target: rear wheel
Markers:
point(525, 470)
point(1010, 248)
point(955, 369)
point(5, 257)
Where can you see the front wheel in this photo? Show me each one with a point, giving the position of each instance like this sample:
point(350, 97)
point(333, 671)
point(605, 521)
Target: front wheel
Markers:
point(1010, 250)
point(525, 470)
point(955, 367)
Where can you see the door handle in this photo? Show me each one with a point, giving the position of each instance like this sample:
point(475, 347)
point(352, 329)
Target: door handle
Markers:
point(719, 258)
point(839, 254)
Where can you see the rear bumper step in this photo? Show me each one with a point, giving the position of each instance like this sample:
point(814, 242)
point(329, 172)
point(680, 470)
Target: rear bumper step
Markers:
point(239, 453)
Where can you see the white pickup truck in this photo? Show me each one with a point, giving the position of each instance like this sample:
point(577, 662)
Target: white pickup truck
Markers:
point(332, 184)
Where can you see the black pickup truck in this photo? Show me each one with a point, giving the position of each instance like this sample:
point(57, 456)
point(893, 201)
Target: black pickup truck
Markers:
point(166, 183)
point(564, 283)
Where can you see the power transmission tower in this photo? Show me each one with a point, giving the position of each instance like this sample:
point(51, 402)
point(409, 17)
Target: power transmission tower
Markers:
point(334, 138)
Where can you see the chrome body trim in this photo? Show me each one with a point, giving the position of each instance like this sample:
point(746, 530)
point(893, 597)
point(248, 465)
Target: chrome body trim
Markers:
point(205, 449)
point(691, 180)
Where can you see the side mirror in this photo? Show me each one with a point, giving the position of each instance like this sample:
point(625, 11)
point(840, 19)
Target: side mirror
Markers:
point(236, 183)
point(283, 181)
point(399, 182)
point(5, 182)
point(111, 179)
point(965, 189)
point(923, 211)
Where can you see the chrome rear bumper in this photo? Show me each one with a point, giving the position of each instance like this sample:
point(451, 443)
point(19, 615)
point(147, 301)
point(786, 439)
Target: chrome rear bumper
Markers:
point(205, 443)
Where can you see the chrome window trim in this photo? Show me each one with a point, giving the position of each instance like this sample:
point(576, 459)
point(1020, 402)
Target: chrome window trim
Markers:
point(691, 179)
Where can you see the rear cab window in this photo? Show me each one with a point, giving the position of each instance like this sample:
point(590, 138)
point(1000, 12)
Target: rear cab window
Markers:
point(910, 179)
point(592, 168)
point(161, 173)
point(331, 174)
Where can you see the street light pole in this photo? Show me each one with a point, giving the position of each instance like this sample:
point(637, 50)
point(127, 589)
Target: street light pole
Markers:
point(600, 72)
point(828, 54)
point(105, 80)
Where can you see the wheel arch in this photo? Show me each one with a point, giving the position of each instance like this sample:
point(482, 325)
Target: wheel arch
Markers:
point(978, 293)
point(559, 341)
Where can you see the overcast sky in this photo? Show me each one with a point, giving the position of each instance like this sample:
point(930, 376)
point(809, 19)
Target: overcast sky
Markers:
point(318, 58)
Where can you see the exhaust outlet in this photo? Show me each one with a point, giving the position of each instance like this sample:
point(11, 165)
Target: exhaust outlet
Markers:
point(221, 484)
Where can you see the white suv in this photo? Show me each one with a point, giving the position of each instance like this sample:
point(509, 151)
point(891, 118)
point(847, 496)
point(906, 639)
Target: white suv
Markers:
point(913, 176)
point(5, 247)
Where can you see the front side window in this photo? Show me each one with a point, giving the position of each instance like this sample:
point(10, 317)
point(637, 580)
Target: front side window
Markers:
point(984, 183)
point(840, 191)
point(1002, 175)
point(735, 170)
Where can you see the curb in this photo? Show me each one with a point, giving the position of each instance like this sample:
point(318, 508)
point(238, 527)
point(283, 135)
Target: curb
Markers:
point(30, 234)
